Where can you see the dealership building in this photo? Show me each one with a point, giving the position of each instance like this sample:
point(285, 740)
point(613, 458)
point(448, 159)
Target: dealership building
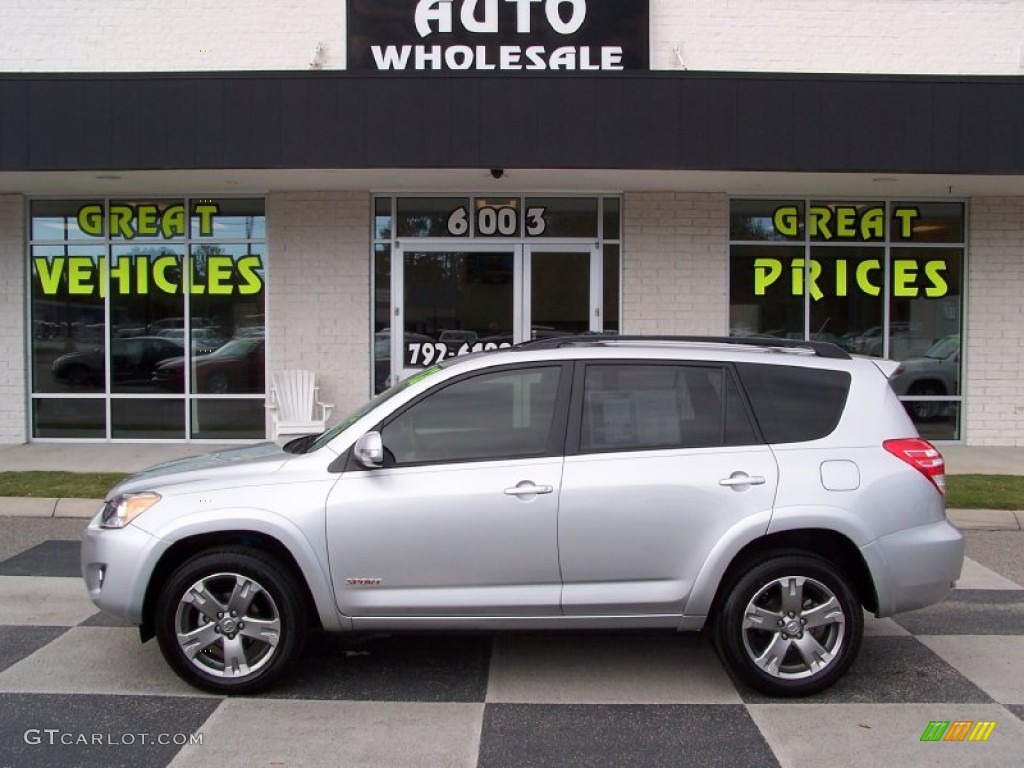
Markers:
point(196, 195)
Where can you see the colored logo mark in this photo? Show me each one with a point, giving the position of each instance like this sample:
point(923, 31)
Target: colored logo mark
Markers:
point(958, 730)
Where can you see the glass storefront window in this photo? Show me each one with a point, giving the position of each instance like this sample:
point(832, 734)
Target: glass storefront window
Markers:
point(845, 289)
point(432, 217)
point(143, 302)
point(69, 339)
point(565, 216)
point(751, 220)
point(765, 295)
point(878, 278)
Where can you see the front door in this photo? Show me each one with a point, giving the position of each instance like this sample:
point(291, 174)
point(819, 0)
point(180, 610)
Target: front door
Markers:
point(462, 519)
point(456, 299)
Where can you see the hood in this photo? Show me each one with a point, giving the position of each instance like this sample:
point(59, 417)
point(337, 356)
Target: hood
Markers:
point(248, 460)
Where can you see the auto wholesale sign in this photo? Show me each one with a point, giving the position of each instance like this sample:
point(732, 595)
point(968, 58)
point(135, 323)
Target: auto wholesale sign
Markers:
point(507, 36)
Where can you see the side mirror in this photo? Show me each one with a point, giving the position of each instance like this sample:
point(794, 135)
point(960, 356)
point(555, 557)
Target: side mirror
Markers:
point(369, 450)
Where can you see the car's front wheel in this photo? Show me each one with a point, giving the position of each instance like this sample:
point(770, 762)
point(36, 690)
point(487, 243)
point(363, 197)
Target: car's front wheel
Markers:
point(230, 620)
point(790, 626)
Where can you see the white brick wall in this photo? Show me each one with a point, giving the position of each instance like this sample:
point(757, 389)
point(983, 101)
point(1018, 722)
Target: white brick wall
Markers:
point(318, 296)
point(994, 387)
point(871, 36)
point(13, 395)
point(675, 270)
point(169, 35)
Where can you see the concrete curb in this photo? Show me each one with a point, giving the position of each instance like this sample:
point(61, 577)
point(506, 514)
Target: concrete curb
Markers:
point(23, 506)
point(14, 506)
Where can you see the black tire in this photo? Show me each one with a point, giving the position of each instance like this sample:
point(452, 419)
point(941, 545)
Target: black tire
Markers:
point(217, 383)
point(78, 376)
point(797, 590)
point(921, 410)
point(205, 654)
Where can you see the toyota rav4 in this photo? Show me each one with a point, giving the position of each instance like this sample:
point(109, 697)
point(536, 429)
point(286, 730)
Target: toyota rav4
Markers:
point(762, 490)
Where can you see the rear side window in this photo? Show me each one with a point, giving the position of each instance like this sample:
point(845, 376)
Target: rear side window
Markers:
point(645, 407)
point(794, 404)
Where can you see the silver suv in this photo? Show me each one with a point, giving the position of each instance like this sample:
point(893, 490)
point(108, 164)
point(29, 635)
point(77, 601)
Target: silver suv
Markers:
point(761, 490)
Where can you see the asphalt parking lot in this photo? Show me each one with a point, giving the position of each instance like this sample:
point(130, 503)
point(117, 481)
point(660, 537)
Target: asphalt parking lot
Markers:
point(77, 688)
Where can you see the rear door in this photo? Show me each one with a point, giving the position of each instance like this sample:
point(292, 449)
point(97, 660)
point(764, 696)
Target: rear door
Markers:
point(664, 460)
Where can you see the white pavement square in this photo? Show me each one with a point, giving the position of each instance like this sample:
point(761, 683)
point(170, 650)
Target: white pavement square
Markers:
point(995, 663)
point(96, 660)
point(867, 735)
point(44, 601)
point(338, 733)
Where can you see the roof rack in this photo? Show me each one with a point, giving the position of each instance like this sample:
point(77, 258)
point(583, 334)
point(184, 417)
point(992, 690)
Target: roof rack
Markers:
point(819, 348)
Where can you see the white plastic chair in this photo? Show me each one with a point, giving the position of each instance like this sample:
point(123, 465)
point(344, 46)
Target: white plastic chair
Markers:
point(293, 404)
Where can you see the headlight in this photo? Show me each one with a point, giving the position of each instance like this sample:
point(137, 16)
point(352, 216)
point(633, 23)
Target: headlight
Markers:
point(125, 507)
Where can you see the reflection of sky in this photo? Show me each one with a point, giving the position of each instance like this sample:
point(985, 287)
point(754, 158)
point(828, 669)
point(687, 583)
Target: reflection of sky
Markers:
point(234, 228)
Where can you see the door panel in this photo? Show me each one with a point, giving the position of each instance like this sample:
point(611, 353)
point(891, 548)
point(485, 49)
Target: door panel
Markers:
point(447, 540)
point(635, 528)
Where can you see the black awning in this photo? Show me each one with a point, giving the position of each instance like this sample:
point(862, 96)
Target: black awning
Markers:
point(645, 121)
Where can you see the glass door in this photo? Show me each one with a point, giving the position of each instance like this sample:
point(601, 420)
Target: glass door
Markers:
point(453, 299)
point(562, 291)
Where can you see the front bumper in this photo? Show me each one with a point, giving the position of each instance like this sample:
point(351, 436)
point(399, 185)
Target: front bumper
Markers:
point(116, 564)
point(916, 567)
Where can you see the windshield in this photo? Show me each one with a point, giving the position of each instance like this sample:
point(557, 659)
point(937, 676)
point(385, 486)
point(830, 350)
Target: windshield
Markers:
point(236, 348)
point(326, 437)
point(943, 348)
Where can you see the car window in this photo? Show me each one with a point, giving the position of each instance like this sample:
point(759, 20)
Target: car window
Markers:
point(645, 407)
point(504, 414)
point(795, 404)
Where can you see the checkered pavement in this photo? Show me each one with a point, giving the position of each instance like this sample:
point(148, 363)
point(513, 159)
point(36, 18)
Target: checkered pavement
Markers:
point(77, 688)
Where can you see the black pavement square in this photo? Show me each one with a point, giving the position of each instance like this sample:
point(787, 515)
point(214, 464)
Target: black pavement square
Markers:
point(391, 668)
point(51, 558)
point(566, 735)
point(1017, 709)
point(45, 730)
point(18, 642)
point(969, 612)
point(891, 670)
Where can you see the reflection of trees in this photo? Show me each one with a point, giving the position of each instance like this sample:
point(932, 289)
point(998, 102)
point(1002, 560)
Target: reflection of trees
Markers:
point(200, 256)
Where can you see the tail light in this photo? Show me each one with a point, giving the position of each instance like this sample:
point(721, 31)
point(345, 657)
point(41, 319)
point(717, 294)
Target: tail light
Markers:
point(922, 456)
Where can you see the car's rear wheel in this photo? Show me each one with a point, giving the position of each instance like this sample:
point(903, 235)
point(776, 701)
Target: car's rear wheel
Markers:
point(217, 383)
point(231, 620)
point(923, 410)
point(790, 626)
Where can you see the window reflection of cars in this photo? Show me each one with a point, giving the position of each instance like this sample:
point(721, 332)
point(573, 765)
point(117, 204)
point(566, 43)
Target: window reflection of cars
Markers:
point(132, 360)
point(204, 340)
point(236, 367)
point(458, 336)
point(382, 354)
point(936, 373)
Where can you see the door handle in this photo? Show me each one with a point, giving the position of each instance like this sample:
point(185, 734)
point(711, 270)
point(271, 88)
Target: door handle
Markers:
point(741, 478)
point(526, 488)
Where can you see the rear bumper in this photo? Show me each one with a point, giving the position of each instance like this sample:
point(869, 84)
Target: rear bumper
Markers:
point(916, 567)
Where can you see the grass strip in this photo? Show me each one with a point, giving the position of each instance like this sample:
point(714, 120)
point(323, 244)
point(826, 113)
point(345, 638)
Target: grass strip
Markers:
point(59, 485)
